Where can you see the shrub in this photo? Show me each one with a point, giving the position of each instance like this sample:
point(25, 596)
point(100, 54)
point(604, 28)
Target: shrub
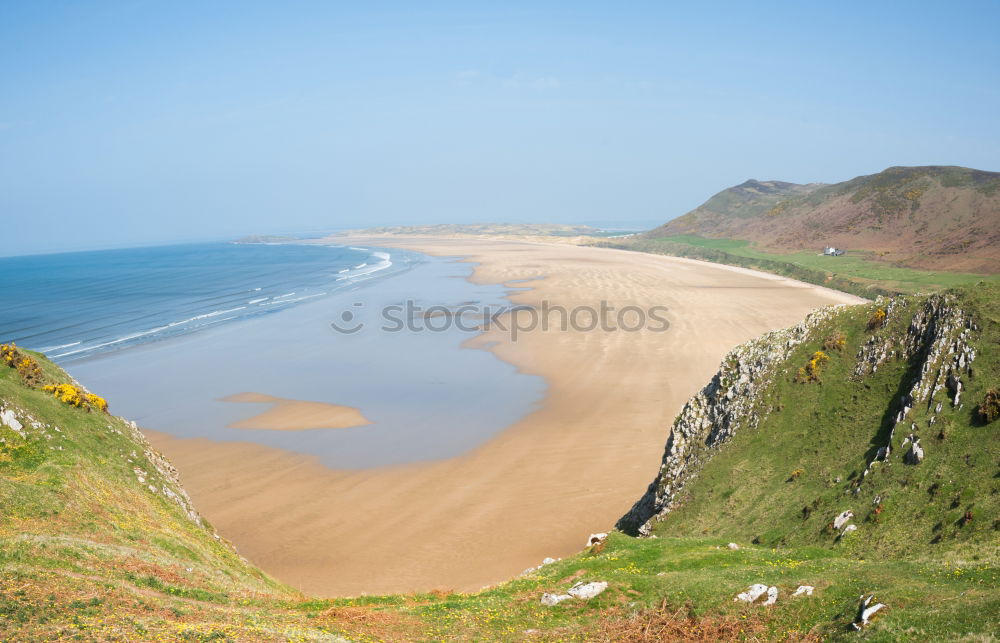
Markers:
point(69, 394)
point(989, 410)
point(26, 367)
point(877, 320)
point(835, 341)
point(811, 371)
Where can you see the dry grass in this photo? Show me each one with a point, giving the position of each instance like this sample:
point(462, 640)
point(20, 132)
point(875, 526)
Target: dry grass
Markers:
point(372, 623)
point(663, 624)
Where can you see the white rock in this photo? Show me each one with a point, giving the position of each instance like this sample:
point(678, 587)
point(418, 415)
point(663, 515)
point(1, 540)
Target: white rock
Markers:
point(753, 593)
point(804, 590)
point(916, 453)
point(772, 596)
point(7, 417)
point(848, 529)
point(596, 539)
point(733, 546)
point(866, 611)
point(587, 590)
point(842, 519)
point(554, 599)
point(548, 561)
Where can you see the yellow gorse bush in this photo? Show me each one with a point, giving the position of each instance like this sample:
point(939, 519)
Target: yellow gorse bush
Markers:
point(9, 352)
point(877, 320)
point(811, 371)
point(27, 368)
point(69, 394)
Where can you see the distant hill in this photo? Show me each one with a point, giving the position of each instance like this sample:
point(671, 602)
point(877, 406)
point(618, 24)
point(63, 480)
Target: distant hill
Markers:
point(933, 217)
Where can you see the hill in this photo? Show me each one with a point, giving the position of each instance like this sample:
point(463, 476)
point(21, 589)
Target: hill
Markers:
point(930, 217)
point(99, 542)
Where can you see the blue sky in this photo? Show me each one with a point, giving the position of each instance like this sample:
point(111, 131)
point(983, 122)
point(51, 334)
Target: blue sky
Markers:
point(142, 122)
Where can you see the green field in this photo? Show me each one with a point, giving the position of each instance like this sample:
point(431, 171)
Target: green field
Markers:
point(856, 272)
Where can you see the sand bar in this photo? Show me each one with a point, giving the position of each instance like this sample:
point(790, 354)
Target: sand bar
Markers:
point(539, 488)
point(296, 415)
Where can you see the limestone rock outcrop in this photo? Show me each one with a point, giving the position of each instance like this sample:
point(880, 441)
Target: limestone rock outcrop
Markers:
point(729, 403)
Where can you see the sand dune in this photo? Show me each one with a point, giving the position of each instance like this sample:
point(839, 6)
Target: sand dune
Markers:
point(539, 488)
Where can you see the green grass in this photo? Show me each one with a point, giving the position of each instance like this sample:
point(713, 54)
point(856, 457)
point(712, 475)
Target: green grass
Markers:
point(696, 579)
point(857, 272)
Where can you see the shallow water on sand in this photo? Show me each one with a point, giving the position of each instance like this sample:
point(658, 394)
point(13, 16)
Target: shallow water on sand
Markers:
point(427, 397)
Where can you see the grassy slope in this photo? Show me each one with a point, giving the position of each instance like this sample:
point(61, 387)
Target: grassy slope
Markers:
point(829, 431)
point(86, 551)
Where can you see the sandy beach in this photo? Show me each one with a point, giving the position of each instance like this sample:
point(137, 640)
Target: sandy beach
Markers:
point(540, 487)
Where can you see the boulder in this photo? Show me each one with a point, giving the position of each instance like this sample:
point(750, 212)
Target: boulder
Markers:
point(733, 546)
point(549, 600)
point(916, 453)
point(866, 611)
point(772, 596)
point(7, 417)
point(842, 519)
point(587, 590)
point(753, 592)
point(804, 590)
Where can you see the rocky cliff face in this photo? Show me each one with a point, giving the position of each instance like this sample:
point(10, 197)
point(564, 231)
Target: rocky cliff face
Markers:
point(936, 345)
point(731, 402)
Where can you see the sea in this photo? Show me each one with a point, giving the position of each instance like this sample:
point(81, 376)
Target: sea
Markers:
point(165, 333)
point(76, 305)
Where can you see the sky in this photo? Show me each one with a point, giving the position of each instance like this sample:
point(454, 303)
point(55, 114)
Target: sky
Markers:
point(142, 122)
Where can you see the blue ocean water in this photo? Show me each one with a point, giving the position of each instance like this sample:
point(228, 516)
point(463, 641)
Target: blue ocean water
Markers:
point(167, 334)
point(77, 305)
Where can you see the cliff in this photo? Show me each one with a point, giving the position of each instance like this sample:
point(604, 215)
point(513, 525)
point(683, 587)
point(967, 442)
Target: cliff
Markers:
point(872, 410)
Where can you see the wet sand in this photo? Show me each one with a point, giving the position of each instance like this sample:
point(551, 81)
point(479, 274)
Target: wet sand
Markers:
point(296, 415)
point(540, 487)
